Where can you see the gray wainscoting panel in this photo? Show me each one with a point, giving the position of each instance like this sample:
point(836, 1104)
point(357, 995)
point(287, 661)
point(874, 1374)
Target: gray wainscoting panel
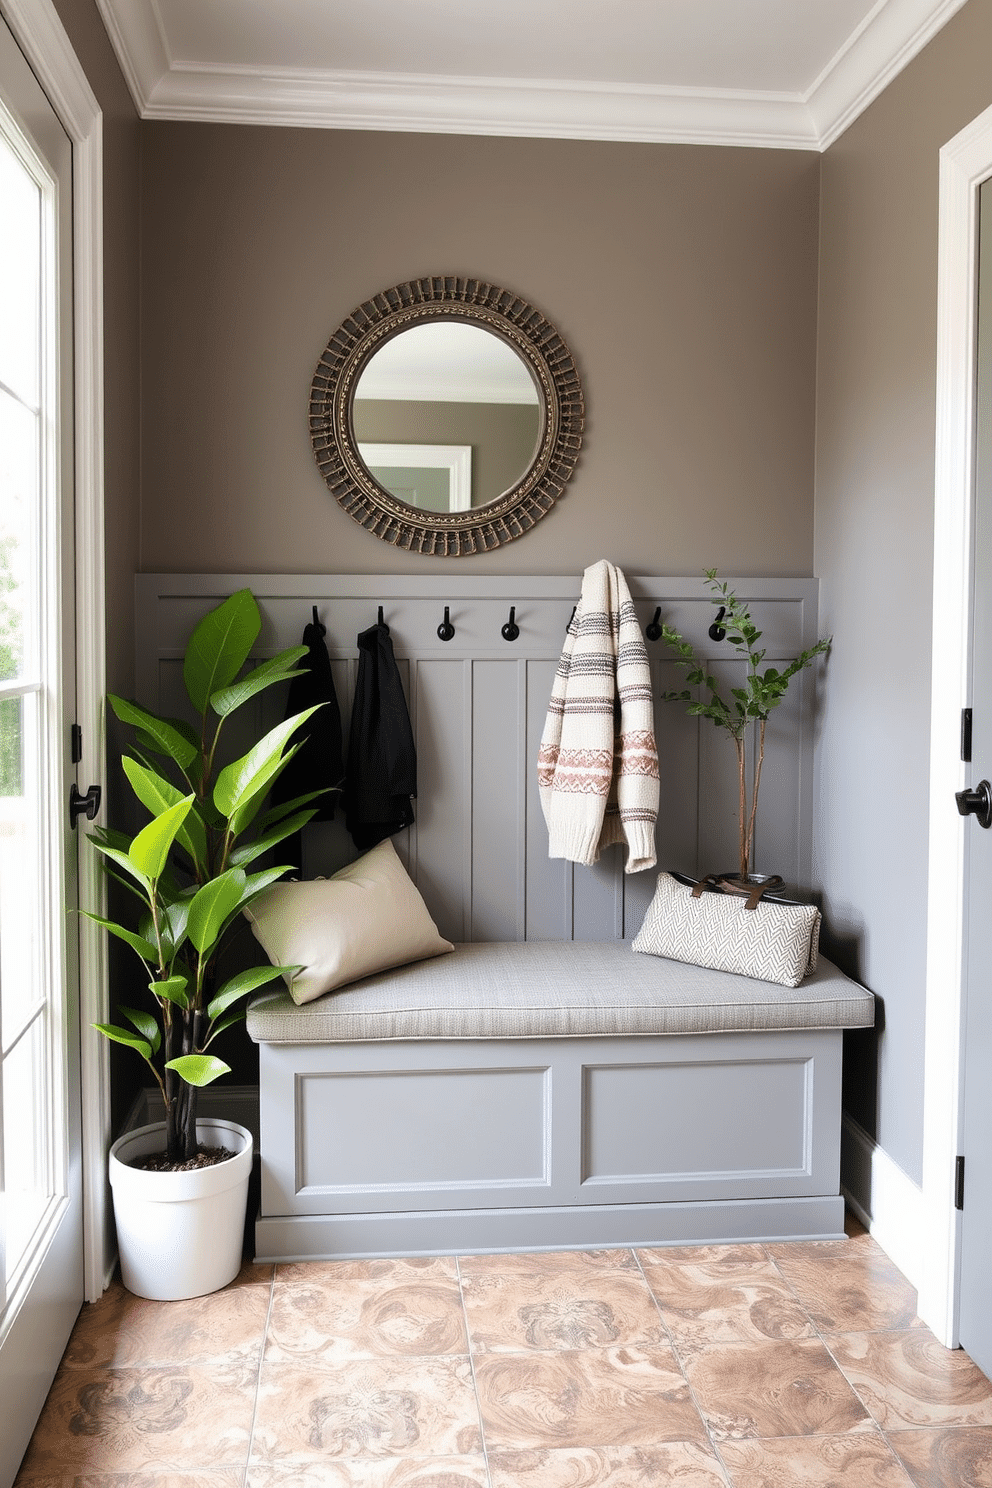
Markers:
point(395, 1146)
point(478, 849)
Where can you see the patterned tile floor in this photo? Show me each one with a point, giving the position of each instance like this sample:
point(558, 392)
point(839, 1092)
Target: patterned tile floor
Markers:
point(740, 1366)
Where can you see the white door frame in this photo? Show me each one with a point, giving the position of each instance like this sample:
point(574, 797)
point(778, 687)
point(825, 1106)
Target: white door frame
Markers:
point(965, 161)
point(43, 39)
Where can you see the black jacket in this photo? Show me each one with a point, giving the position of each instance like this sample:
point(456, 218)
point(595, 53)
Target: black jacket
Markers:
point(318, 763)
point(382, 759)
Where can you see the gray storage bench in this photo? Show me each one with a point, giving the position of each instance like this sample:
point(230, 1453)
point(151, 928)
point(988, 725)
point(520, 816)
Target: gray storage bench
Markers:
point(546, 1095)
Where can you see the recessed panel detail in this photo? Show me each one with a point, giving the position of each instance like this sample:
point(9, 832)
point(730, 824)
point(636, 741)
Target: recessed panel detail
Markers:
point(416, 1129)
point(689, 1120)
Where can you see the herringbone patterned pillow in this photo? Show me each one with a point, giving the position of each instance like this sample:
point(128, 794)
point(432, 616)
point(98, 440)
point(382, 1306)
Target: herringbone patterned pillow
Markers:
point(773, 942)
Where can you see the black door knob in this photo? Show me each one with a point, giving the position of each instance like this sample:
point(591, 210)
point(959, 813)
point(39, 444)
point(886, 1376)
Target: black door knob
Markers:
point(977, 803)
point(87, 805)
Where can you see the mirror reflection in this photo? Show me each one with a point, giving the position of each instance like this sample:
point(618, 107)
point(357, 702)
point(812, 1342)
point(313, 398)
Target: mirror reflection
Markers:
point(447, 416)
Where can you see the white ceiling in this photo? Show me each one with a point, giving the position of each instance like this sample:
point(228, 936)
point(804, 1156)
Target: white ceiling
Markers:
point(786, 73)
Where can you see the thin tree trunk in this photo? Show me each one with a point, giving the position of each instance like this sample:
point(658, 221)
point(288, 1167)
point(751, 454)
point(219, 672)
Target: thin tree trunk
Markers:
point(742, 805)
point(754, 791)
point(173, 1093)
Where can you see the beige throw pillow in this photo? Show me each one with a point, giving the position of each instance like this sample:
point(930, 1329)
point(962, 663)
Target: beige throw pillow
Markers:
point(367, 918)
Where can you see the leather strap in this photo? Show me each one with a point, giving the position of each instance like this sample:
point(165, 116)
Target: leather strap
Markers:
point(714, 881)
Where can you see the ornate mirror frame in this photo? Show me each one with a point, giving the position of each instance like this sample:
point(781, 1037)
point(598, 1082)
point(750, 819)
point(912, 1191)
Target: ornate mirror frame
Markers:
point(446, 534)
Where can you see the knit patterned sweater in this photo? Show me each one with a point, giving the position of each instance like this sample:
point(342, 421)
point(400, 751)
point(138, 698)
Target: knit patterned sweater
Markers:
point(598, 762)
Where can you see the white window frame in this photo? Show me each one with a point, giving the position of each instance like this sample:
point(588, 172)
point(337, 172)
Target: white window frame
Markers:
point(44, 41)
point(456, 459)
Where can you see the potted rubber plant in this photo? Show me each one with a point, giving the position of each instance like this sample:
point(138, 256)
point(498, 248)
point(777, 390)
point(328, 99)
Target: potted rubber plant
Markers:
point(743, 713)
point(187, 874)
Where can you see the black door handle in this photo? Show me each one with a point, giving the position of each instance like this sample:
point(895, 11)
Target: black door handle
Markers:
point(87, 805)
point(977, 802)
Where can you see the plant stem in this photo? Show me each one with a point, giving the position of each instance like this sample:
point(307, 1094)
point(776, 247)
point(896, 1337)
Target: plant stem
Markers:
point(742, 803)
point(749, 846)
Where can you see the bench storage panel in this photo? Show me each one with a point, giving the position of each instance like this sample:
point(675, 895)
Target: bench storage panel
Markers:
point(451, 1142)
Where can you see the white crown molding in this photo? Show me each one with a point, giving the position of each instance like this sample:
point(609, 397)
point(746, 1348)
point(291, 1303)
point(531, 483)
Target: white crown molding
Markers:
point(890, 36)
point(138, 37)
point(490, 106)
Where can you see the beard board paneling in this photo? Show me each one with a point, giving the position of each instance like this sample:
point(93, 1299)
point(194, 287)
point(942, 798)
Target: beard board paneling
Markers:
point(478, 848)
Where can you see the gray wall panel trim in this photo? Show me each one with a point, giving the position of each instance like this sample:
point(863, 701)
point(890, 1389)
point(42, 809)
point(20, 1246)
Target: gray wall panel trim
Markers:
point(479, 859)
point(454, 1232)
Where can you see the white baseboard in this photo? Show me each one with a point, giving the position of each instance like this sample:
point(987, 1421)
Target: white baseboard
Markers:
point(885, 1199)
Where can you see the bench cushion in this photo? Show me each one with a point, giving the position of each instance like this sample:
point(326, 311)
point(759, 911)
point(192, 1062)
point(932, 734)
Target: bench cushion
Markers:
point(556, 989)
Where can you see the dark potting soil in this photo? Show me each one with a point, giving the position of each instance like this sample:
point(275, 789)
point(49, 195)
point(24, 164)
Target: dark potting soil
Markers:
point(205, 1157)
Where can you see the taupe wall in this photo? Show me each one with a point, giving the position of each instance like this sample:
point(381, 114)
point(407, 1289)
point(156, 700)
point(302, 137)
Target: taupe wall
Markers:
point(874, 549)
point(684, 280)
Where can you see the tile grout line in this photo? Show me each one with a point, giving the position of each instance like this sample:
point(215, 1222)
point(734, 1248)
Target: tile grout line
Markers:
point(258, 1378)
point(837, 1364)
point(678, 1359)
point(471, 1365)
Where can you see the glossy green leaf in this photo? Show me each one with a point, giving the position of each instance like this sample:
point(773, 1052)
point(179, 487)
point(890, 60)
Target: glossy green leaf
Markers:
point(145, 1023)
point(220, 646)
point(252, 850)
point(160, 735)
point(243, 983)
point(157, 794)
point(198, 1069)
point(281, 668)
point(252, 775)
point(124, 862)
point(145, 949)
point(211, 907)
point(172, 989)
point(124, 1036)
point(284, 808)
point(236, 1015)
point(149, 851)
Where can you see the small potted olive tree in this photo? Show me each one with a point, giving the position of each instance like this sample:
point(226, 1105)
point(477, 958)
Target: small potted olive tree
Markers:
point(745, 707)
point(187, 873)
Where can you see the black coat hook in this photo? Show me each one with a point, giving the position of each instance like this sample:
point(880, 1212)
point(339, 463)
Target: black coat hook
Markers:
point(511, 629)
point(381, 621)
point(653, 631)
point(571, 618)
point(445, 630)
point(717, 631)
point(317, 624)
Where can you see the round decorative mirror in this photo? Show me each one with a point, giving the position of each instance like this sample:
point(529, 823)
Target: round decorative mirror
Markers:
point(446, 416)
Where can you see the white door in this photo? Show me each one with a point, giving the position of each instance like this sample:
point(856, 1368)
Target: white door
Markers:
point(41, 1273)
point(975, 1185)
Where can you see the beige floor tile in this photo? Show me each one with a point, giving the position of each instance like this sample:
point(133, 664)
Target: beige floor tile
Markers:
point(229, 1478)
point(773, 1389)
point(703, 1255)
point(861, 1459)
point(736, 1298)
point(847, 1286)
point(679, 1464)
point(949, 1457)
point(909, 1379)
point(594, 1397)
point(573, 1310)
point(377, 1270)
point(122, 1331)
point(435, 1472)
point(547, 1263)
point(413, 1408)
point(327, 1322)
point(169, 1421)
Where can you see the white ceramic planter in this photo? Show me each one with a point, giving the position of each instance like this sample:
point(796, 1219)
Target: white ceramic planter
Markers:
point(180, 1234)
